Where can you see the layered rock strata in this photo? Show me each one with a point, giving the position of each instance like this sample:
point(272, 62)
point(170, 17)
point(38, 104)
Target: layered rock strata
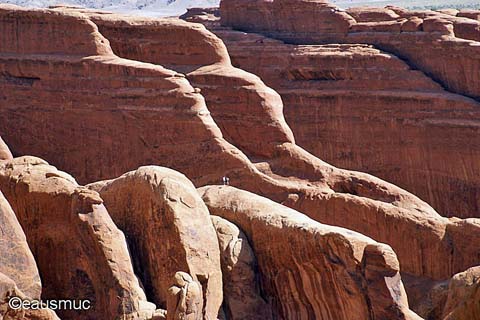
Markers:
point(291, 175)
point(428, 45)
point(364, 109)
point(72, 77)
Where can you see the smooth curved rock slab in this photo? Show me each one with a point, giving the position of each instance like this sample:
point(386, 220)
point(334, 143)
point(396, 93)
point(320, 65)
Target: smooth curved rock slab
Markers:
point(80, 252)
point(241, 291)
point(309, 270)
point(16, 260)
point(5, 153)
point(168, 229)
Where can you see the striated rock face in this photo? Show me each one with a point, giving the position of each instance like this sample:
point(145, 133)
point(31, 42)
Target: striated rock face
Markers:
point(241, 289)
point(433, 49)
point(309, 270)
point(16, 260)
point(79, 251)
point(364, 109)
point(101, 100)
point(283, 161)
point(5, 153)
point(8, 290)
point(168, 229)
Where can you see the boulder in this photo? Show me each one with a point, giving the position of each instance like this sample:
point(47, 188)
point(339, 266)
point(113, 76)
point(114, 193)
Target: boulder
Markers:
point(241, 290)
point(168, 229)
point(80, 252)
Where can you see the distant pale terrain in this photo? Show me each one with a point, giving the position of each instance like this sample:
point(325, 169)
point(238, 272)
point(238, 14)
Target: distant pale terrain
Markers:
point(156, 8)
point(413, 4)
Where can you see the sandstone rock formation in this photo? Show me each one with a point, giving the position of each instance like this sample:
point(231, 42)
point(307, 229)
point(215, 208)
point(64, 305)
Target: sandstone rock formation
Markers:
point(5, 153)
point(81, 104)
point(168, 230)
point(80, 83)
point(241, 292)
point(79, 251)
point(16, 260)
point(363, 109)
point(432, 49)
point(184, 298)
point(8, 290)
point(287, 172)
point(471, 14)
point(278, 156)
point(205, 59)
point(309, 270)
point(463, 300)
point(455, 298)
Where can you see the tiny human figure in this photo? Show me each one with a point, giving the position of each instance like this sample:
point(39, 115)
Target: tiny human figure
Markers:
point(226, 181)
